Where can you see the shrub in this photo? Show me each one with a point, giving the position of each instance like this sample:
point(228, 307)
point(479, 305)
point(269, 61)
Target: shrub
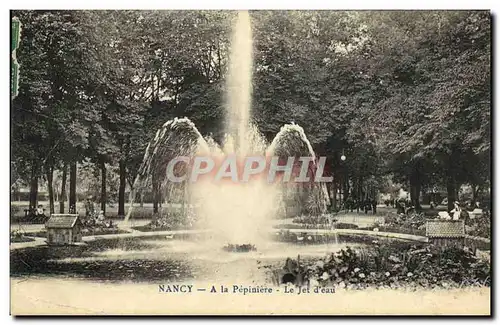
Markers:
point(342, 225)
point(395, 265)
point(479, 226)
point(312, 219)
point(172, 220)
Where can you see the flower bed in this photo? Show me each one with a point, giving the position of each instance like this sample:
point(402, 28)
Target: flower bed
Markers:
point(391, 265)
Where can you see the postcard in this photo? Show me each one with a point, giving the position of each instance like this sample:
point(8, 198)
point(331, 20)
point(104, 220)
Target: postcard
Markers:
point(219, 162)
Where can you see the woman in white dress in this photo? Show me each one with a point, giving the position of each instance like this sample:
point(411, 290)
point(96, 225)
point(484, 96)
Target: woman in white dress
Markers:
point(456, 211)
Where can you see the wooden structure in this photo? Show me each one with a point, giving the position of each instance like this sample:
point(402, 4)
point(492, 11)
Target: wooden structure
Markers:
point(446, 233)
point(63, 229)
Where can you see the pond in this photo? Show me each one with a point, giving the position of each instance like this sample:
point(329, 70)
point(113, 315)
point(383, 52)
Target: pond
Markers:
point(159, 258)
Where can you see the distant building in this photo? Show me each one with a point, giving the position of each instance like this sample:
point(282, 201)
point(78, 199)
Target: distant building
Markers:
point(445, 233)
point(64, 229)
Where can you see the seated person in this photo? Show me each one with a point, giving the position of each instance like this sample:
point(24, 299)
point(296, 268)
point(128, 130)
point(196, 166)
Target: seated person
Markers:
point(457, 210)
point(40, 214)
point(40, 211)
point(101, 219)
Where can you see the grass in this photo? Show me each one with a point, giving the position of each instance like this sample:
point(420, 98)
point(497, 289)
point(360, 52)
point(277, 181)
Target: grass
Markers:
point(80, 262)
point(400, 230)
point(147, 228)
point(144, 212)
point(41, 233)
point(95, 232)
point(21, 239)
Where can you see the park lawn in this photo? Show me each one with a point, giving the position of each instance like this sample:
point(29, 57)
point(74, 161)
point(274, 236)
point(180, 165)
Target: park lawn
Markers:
point(144, 212)
point(147, 228)
point(96, 232)
point(22, 239)
point(393, 229)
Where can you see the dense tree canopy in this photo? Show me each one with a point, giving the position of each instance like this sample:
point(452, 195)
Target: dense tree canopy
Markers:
point(401, 94)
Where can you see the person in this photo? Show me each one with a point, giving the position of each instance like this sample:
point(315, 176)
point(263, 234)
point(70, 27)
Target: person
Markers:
point(89, 207)
point(39, 214)
point(32, 212)
point(40, 211)
point(401, 206)
point(101, 220)
point(456, 211)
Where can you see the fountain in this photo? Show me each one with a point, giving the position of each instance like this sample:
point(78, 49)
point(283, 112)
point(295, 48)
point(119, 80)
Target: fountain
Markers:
point(237, 214)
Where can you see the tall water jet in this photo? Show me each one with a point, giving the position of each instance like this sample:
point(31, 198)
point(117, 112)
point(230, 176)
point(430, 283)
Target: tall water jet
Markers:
point(237, 213)
point(239, 82)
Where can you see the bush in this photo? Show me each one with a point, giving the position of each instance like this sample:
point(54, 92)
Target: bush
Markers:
point(479, 226)
point(394, 265)
point(172, 220)
point(309, 219)
point(405, 221)
point(342, 225)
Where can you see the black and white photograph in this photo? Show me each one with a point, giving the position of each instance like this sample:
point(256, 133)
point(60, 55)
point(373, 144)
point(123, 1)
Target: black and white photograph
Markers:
point(250, 162)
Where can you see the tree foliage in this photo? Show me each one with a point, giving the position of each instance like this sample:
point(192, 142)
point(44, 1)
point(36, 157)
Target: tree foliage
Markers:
point(405, 94)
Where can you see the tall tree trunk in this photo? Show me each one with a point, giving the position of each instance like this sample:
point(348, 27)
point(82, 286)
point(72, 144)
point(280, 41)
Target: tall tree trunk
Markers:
point(155, 197)
point(142, 199)
point(341, 191)
point(63, 189)
point(418, 189)
point(50, 178)
point(415, 187)
point(345, 191)
point(451, 191)
point(103, 186)
point(121, 189)
point(72, 187)
point(155, 203)
point(156, 200)
point(359, 195)
point(34, 185)
point(413, 192)
point(474, 193)
point(334, 198)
